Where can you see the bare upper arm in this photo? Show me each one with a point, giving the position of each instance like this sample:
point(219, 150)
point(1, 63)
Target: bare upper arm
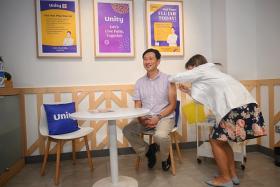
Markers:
point(172, 95)
point(137, 104)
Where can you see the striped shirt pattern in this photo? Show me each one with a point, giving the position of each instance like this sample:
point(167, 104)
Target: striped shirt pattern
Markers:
point(153, 93)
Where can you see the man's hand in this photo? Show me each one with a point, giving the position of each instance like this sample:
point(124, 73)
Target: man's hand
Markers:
point(143, 120)
point(151, 121)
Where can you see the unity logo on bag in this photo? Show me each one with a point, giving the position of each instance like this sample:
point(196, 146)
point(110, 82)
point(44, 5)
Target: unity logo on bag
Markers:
point(58, 117)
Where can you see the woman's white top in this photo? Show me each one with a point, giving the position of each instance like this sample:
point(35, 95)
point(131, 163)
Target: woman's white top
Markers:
point(216, 90)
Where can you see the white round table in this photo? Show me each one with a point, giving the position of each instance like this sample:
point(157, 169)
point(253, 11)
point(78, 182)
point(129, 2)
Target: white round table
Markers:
point(112, 116)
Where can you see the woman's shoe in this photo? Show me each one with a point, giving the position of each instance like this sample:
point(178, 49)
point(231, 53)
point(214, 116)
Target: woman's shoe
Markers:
point(235, 180)
point(226, 184)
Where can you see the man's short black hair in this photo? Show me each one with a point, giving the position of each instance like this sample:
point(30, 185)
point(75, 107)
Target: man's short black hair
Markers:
point(155, 51)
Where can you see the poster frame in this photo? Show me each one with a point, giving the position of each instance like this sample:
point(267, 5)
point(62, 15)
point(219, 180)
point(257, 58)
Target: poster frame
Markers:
point(58, 51)
point(97, 27)
point(163, 46)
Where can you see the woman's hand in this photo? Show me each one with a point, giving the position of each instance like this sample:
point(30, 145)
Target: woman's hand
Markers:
point(185, 89)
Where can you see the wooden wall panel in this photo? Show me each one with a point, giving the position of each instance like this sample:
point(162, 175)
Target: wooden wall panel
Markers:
point(119, 95)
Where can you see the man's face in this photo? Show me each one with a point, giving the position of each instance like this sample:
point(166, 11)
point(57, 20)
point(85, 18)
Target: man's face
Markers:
point(150, 61)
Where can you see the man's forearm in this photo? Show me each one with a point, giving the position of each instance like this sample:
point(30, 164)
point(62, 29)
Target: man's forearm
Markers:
point(167, 111)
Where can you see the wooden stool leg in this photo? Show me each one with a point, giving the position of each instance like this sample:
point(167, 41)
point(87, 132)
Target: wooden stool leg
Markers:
point(43, 168)
point(137, 163)
point(57, 169)
point(88, 154)
point(73, 151)
point(173, 169)
point(177, 147)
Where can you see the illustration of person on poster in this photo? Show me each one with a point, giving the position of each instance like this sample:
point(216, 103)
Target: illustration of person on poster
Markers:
point(68, 40)
point(172, 38)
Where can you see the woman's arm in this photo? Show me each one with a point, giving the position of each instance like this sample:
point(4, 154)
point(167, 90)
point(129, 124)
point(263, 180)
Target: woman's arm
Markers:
point(188, 76)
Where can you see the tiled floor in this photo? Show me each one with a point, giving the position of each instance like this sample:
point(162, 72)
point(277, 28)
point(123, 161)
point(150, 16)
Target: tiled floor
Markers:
point(260, 171)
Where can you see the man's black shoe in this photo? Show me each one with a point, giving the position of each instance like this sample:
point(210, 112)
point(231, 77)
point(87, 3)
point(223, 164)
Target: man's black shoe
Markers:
point(166, 164)
point(151, 155)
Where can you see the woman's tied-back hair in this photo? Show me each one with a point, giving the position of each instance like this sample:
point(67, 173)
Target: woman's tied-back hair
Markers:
point(195, 61)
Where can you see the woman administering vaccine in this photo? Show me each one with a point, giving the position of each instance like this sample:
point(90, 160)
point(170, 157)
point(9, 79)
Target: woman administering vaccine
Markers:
point(238, 115)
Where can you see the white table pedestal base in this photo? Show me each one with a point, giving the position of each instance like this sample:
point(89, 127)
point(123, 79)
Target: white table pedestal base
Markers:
point(123, 113)
point(123, 181)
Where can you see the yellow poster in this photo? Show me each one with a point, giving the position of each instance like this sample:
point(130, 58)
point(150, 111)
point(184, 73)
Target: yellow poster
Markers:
point(58, 28)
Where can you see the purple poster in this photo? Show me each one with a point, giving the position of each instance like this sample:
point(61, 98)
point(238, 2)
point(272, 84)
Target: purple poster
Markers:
point(114, 28)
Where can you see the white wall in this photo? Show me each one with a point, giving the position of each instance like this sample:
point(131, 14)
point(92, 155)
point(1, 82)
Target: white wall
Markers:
point(241, 38)
point(197, 23)
point(243, 35)
point(252, 37)
point(219, 33)
point(268, 39)
point(18, 47)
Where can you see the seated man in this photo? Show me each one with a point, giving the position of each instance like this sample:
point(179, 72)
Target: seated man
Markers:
point(155, 92)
